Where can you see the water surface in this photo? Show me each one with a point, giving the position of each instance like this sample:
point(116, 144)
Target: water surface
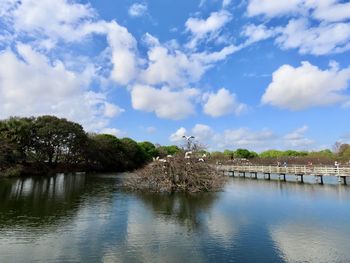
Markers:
point(87, 218)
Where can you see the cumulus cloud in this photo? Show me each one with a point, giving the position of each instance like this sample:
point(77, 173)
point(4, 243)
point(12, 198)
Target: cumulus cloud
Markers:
point(203, 133)
point(175, 68)
point(137, 9)
point(210, 27)
point(297, 139)
point(113, 131)
point(59, 19)
point(176, 137)
point(221, 103)
point(329, 31)
point(164, 102)
point(34, 86)
point(257, 140)
point(318, 40)
point(326, 10)
point(271, 8)
point(246, 138)
point(124, 56)
point(256, 33)
point(112, 110)
point(298, 88)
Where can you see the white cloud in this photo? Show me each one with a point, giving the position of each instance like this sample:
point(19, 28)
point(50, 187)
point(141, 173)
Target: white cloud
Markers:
point(323, 10)
point(271, 8)
point(296, 139)
point(124, 55)
point(319, 40)
point(164, 102)
point(60, 19)
point(226, 3)
point(176, 137)
point(245, 138)
point(221, 103)
point(257, 140)
point(210, 27)
point(202, 133)
point(255, 33)
point(113, 131)
point(330, 10)
point(306, 86)
point(329, 31)
point(111, 110)
point(173, 67)
point(34, 86)
point(137, 9)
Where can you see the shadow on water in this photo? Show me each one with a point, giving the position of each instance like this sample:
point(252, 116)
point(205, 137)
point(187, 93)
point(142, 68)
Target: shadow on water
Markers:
point(182, 208)
point(46, 201)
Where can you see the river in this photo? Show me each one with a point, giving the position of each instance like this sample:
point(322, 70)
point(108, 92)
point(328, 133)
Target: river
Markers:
point(87, 218)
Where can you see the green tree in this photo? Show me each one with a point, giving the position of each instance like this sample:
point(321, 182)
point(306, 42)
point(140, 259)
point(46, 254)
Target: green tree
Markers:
point(150, 150)
point(244, 153)
point(58, 140)
point(105, 152)
point(168, 150)
point(135, 155)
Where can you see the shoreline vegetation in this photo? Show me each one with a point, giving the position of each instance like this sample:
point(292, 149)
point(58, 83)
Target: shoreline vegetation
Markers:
point(47, 145)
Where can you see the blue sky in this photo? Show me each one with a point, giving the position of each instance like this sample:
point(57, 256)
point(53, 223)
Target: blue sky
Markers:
point(256, 74)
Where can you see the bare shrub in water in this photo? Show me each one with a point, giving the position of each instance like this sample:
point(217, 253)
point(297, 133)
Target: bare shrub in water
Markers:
point(177, 174)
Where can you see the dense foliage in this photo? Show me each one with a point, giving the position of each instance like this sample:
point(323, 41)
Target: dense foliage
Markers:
point(341, 152)
point(48, 143)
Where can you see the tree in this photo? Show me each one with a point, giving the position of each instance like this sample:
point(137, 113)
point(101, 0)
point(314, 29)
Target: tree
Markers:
point(244, 153)
point(58, 140)
point(168, 150)
point(150, 149)
point(104, 152)
point(135, 155)
point(19, 132)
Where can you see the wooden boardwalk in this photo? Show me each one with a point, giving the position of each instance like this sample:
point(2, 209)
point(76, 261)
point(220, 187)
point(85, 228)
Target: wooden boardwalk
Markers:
point(342, 173)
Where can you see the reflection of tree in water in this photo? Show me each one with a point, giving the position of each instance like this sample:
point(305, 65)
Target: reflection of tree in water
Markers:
point(185, 209)
point(44, 201)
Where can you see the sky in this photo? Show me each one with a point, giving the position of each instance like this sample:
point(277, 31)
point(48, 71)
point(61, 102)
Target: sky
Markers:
point(255, 74)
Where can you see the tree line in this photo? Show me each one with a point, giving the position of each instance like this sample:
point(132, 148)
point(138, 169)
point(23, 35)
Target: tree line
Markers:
point(341, 152)
point(45, 144)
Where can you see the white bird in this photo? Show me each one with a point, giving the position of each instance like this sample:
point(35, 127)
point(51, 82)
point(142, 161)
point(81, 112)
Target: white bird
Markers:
point(187, 155)
point(188, 137)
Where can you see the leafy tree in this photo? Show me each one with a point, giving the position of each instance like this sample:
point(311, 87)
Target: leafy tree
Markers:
point(135, 155)
point(229, 154)
point(58, 140)
point(150, 149)
point(168, 150)
point(105, 152)
point(244, 153)
point(20, 133)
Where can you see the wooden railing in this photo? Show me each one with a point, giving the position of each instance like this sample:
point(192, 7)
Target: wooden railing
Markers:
point(302, 170)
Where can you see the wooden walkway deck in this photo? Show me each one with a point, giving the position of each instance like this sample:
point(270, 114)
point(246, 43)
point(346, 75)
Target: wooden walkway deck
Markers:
point(342, 173)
